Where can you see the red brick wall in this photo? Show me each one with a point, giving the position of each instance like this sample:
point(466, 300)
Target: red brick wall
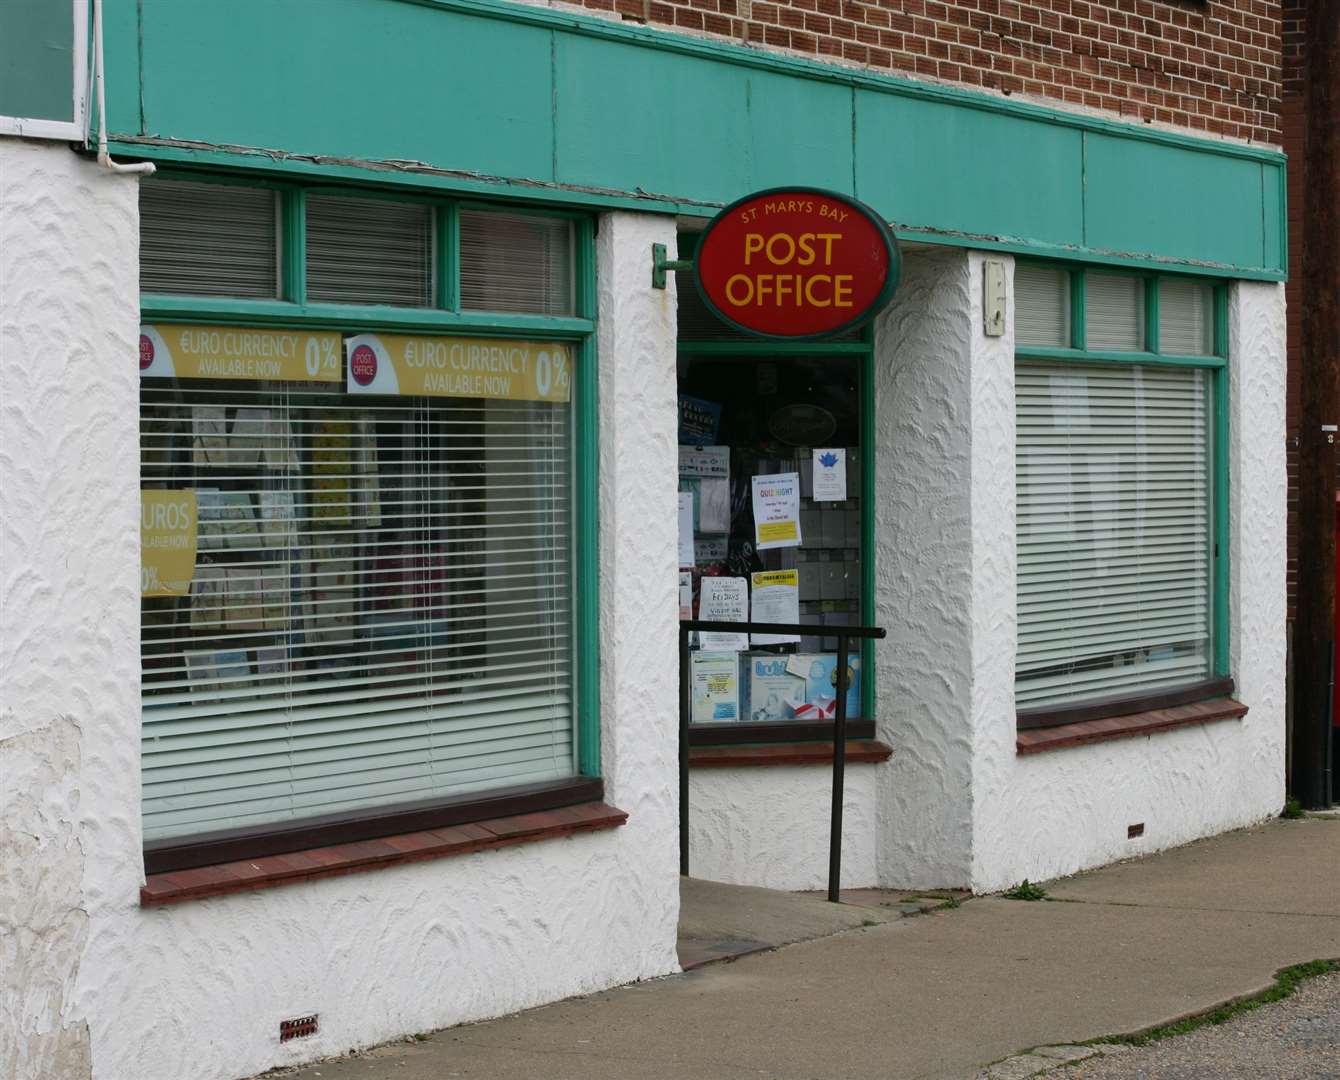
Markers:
point(1200, 64)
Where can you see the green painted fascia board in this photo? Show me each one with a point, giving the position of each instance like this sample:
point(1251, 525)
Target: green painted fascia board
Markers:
point(1200, 203)
point(910, 155)
point(745, 56)
point(603, 114)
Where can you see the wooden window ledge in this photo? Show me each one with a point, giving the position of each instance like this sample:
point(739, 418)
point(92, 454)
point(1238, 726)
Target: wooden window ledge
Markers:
point(859, 751)
point(1040, 740)
point(269, 871)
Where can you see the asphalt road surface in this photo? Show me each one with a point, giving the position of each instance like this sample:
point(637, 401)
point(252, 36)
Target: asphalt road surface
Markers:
point(1294, 1039)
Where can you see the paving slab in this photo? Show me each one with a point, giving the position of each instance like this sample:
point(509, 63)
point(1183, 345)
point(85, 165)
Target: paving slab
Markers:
point(712, 913)
point(1294, 871)
point(938, 997)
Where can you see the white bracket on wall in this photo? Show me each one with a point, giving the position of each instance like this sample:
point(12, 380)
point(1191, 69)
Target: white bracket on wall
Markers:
point(993, 298)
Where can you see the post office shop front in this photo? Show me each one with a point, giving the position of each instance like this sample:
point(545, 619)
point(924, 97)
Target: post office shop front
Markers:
point(362, 537)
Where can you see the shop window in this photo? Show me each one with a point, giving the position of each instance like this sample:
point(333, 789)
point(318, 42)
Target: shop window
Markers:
point(369, 251)
point(1113, 530)
point(1116, 487)
point(1186, 319)
point(380, 616)
point(380, 607)
point(199, 239)
point(750, 430)
point(516, 262)
point(1041, 306)
point(1115, 312)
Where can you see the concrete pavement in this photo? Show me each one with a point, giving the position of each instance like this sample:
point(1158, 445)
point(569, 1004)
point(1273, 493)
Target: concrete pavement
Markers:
point(939, 996)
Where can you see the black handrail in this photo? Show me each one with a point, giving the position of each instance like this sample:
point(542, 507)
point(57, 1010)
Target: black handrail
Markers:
point(843, 634)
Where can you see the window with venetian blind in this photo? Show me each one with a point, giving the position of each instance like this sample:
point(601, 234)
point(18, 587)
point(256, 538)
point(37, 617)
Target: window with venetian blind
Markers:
point(381, 612)
point(1115, 487)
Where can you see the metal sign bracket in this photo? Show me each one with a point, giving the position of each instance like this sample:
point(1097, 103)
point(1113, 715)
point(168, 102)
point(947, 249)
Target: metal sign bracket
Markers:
point(660, 264)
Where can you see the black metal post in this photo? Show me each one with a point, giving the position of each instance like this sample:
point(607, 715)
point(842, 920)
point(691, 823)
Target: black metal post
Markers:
point(684, 698)
point(839, 773)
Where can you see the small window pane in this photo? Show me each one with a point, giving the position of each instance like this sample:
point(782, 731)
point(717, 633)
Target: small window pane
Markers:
point(208, 239)
point(1041, 306)
point(1186, 324)
point(514, 262)
point(369, 251)
point(1115, 312)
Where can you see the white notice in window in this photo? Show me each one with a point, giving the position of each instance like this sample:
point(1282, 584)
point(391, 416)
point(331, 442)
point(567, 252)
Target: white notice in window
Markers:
point(776, 600)
point(830, 475)
point(686, 528)
point(723, 599)
point(777, 510)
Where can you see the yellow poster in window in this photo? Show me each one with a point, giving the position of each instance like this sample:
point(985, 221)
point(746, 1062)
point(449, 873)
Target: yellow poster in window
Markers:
point(167, 542)
point(332, 465)
point(170, 350)
point(497, 369)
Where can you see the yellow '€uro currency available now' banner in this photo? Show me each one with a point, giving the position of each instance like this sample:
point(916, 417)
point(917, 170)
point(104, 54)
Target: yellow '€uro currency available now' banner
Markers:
point(239, 352)
point(495, 368)
point(167, 542)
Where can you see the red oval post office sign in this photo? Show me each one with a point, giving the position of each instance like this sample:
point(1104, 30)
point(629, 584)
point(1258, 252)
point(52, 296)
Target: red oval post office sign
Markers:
point(797, 263)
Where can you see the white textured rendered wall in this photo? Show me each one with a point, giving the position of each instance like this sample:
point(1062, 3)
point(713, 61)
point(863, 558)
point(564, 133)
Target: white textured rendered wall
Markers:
point(69, 667)
point(1044, 815)
point(198, 989)
point(769, 826)
point(923, 588)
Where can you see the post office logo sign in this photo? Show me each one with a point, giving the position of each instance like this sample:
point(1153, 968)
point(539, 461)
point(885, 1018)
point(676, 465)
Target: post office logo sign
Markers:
point(797, 264)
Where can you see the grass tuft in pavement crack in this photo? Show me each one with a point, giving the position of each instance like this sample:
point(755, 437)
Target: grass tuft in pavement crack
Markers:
point(1025, 890)
point(1287, 981)
point(1293, 810)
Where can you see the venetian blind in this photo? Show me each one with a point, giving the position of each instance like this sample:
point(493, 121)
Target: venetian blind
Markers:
point(1186, 325)
point(369, 251)
point(1113, 530)
point(517, 263)
point(208, 239)
point(381, 608)
point(1114, 312)
point(1041, 306)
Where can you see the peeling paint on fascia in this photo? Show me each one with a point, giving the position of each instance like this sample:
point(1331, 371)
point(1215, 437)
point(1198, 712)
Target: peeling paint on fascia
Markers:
point(1063, 251)
point(401, 165)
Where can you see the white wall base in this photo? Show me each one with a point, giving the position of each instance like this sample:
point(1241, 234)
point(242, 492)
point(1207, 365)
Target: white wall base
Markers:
point(769, 826)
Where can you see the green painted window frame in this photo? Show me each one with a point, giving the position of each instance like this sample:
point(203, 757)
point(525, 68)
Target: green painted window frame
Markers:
point(1216, 363)
point(863, 349)
point(577, 330)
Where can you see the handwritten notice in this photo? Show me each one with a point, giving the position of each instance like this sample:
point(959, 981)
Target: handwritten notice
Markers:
point(830, 475)
point(777, 510)
point(723, 599)
point(776, 600)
